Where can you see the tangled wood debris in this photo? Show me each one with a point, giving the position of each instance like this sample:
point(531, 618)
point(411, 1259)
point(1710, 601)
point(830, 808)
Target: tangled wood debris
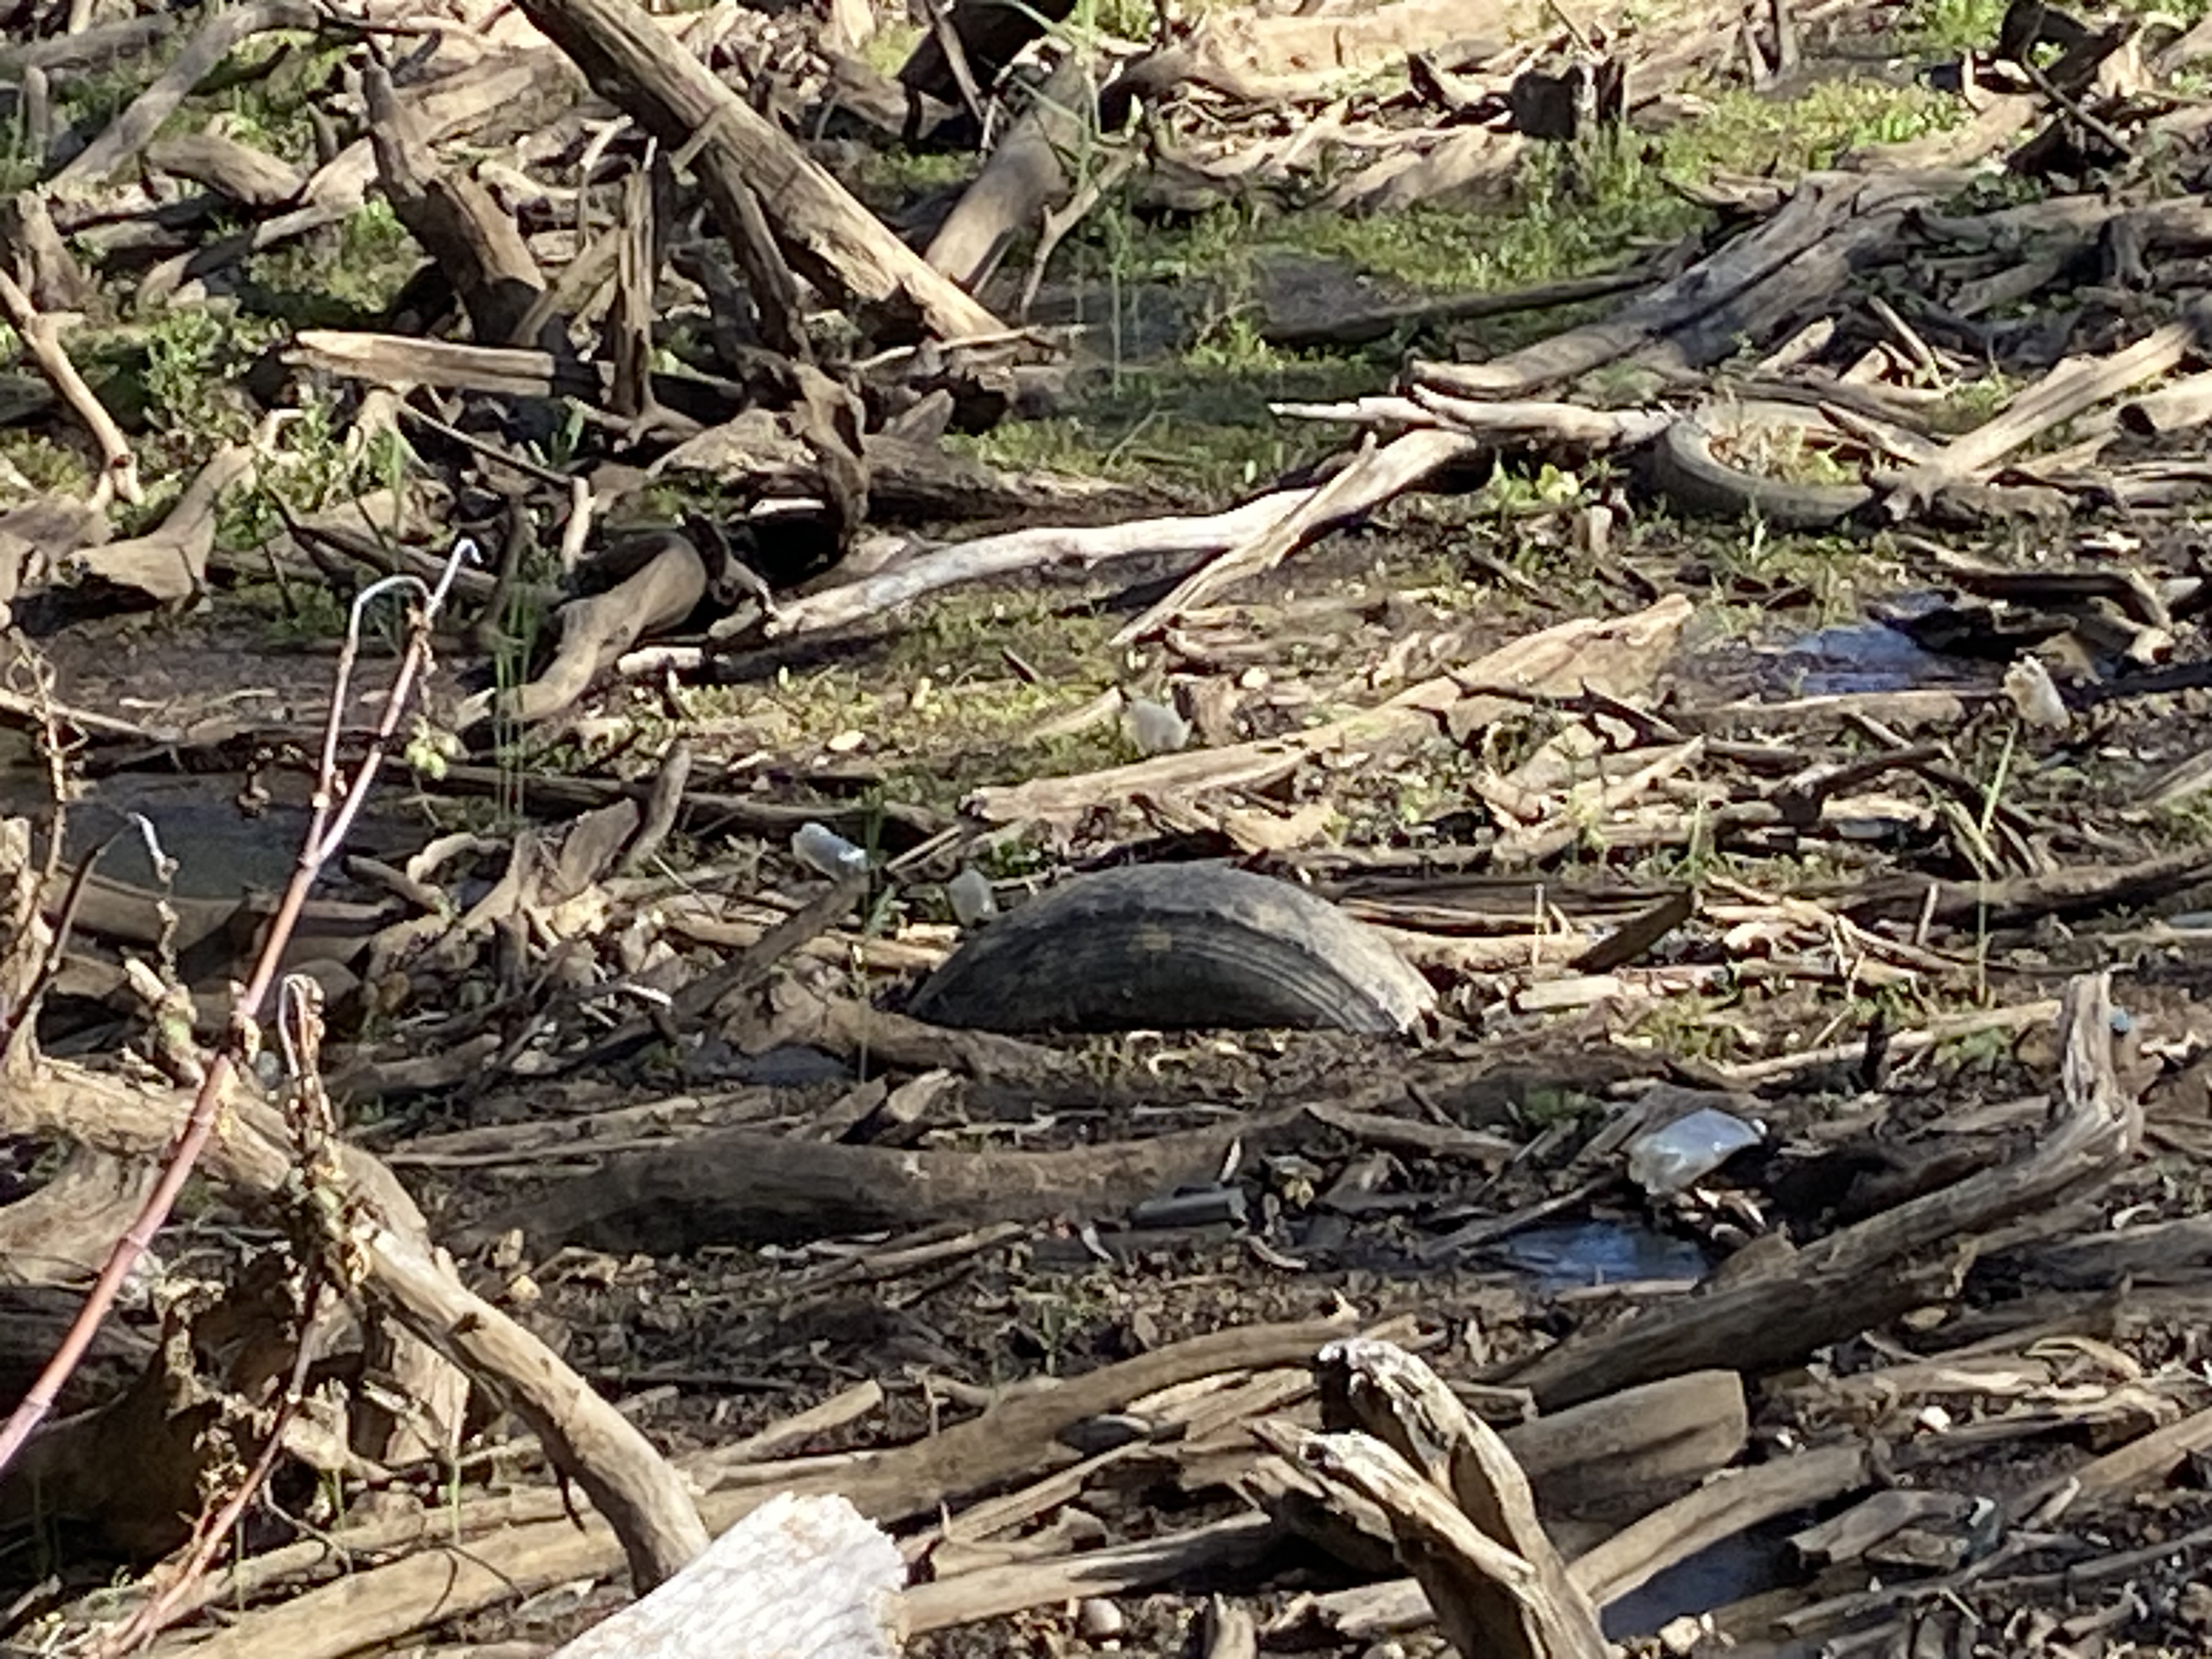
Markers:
point(939, 1054)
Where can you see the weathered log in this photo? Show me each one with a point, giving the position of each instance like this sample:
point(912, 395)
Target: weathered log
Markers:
point(1021, 180)
point(597, 630)
point(476, 244)
point(1799, 255)
point(1016, 1439)
point(608, 1457)
point(1395, 1397)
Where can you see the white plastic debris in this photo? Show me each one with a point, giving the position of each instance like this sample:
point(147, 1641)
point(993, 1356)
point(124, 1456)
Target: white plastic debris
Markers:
point(1157, 728)
point(973, 901)
point(2028, 683)
point(1666, 1160)
point(825, 851)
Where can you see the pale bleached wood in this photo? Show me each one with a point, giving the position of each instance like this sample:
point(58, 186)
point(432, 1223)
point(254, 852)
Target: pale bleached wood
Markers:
point(1374, 477)
point(1395, 1397)
point(798, 1578)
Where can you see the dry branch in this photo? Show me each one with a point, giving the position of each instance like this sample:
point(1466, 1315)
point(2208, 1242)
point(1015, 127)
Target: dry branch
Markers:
point(830, 238)
point(1371, 479)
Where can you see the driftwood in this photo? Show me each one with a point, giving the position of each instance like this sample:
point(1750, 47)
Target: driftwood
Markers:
point(1531, 1608)
point(1829, 222)
point(595, 631)
point(135, 128)
point(169, 565)
point(1023, 180)
point(2066, 391)
point(1618, 656)
point(607, 1456)
point(1371, 479)
point(454, 218)
point(990, 557)
point(1009, 1442)
point(740, 1185)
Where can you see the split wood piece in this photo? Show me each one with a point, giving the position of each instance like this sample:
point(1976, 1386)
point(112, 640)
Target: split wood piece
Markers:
point(2118, 1475)
point(40, 258)
point(1880, 1267)
point(1731, 1503)
point(1010, 1442)
point(1623, 1454)
point(830, 238)
point(1464, 1573)
point(605, 1453)
point(476, 244)
point(1023, 180)
point(398, 360)
point(706, 1470)
point(1220, 1548)
point(146, 114)
point(2182, 405)
point(798, 1578)
point(2070, 389)
point(42, 338)
point(1618, 658)
point(595, 631)
point(252, 178)
point(1371, 478)
point(1082, 547)
point(1399, 1400)
point(169, 565)
point(1838, 217)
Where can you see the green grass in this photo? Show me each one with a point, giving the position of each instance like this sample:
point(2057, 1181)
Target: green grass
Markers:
point(944, 711)
point(308, 285)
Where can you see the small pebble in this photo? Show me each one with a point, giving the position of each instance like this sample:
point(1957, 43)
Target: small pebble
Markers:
point(1097, 1619)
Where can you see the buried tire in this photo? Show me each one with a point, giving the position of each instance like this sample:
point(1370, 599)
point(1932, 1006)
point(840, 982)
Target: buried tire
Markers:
point(1180, 947)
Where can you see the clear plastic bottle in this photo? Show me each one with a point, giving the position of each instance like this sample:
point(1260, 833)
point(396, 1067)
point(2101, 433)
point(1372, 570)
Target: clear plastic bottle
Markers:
point(1156, 728)
point(827, 853)
point(1666, 1160)
point(973, 901)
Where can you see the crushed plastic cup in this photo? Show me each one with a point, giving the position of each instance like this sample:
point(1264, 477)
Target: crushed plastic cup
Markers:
point(973, 901)
point(825, 851)
point(1665, 1161)
point(1157, 729)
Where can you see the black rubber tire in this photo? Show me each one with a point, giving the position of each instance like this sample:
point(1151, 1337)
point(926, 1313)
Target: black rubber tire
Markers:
point(1681, 466)
point(1175, 947)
